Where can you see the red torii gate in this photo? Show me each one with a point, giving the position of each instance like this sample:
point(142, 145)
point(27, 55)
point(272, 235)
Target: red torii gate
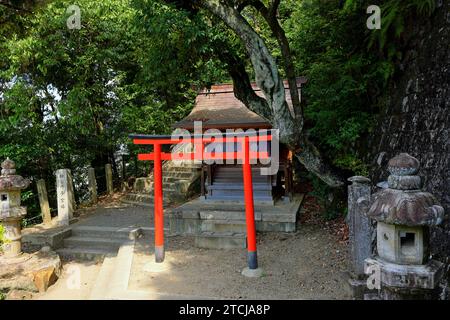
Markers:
point(199, 141)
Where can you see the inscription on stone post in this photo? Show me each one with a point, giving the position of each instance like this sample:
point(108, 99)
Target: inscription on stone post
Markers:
point(65, 196)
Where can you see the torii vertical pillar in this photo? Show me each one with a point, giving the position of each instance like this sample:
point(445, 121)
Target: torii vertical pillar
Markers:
point(252, 257)
point(159, 215)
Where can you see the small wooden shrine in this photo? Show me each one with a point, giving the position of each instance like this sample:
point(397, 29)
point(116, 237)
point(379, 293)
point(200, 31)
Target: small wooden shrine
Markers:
point(218, 108)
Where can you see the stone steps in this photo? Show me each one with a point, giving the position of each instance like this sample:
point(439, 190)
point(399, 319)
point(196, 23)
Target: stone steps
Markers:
point(177, 178)
point(141, 199)
point(238, 187)
point(93, 243)
point(220, 240)
point(96, 243)
point(179, 171)
point(176, 173)
point(168, 186)
point(106, 232)
point(187, 164)
point(223, 226)
point(236, 179)
point(172, 179)
point(226, 215)
point(263, 197)
point(85, 254)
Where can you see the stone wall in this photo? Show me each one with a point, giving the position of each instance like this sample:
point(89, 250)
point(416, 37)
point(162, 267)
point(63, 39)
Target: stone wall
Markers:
point(416, 117)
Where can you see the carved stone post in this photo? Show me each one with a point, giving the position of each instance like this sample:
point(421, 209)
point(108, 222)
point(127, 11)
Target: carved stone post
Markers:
point(109, 179)
point(65, 197)
point(43, 202)
point(360, 232)
point(92, 185)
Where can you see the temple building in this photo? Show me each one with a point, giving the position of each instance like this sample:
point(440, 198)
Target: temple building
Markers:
point(217, 217)
point(218, 108)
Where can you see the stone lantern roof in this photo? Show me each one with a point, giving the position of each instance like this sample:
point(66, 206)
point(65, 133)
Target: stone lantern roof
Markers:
point(403, 203)
point(9, 181)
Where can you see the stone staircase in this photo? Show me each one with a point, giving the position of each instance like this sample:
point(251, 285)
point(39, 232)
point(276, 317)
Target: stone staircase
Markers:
point(228, 185)
point(181, 180)
point(96, 243)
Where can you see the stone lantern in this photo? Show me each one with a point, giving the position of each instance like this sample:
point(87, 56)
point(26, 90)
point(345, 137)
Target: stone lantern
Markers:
point(405, 214)
point(11, 213)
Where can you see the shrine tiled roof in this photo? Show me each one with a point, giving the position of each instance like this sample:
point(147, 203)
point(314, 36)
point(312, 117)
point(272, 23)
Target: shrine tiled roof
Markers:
point(217, 107)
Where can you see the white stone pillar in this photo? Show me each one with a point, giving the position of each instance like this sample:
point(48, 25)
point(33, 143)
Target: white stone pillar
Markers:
point(65, 196)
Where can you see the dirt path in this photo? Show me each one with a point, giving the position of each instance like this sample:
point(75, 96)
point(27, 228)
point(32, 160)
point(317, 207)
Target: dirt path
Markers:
point(75, 283)
point(305, 265)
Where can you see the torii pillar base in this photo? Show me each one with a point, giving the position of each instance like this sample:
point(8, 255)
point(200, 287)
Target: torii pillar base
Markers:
point(253, 273)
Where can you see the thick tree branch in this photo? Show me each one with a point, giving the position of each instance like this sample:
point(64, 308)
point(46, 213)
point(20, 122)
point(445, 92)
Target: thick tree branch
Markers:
point(269, 81)
point(273, 8)
point(266, 71)
point(242, 86)
point(270, 15)
point(310, 157)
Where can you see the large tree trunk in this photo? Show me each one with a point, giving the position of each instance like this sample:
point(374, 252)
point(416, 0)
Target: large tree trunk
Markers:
point(270, 15)
point(270, 83)
point(266, 70)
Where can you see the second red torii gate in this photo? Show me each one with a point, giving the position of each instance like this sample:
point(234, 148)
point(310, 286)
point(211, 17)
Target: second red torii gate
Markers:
point(199, 141)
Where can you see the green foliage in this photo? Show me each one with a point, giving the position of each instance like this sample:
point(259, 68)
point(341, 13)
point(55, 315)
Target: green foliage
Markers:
point(2, 230)
point(69, 98)
point(394, 18)
point(346, 74)
point(343, 77)
point(351, 161)
point(29, 199)
point(181, 49)
point(323, 193)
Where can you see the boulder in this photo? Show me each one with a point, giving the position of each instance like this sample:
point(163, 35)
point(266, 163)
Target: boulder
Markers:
point(46, 269)
point(33, 272)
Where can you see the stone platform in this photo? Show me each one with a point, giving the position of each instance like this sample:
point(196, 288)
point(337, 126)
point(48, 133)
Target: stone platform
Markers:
point(221, 224)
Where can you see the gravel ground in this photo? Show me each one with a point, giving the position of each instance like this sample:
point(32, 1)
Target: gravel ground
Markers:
point(75, 283)
point(307, 264)
point(110, 212)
